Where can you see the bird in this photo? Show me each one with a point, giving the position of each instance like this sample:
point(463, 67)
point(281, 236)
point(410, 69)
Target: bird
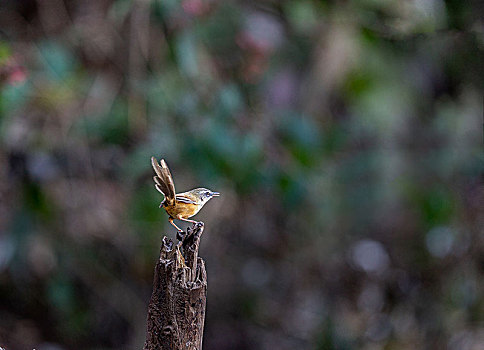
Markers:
point(180, 206)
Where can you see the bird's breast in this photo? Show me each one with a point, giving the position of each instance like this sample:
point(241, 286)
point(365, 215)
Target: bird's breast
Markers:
point(184, 210)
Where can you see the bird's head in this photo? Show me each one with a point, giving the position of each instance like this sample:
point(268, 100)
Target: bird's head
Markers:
point(203, 195)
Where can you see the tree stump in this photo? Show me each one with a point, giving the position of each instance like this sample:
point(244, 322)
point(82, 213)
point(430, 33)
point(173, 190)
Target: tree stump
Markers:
point(176, 312)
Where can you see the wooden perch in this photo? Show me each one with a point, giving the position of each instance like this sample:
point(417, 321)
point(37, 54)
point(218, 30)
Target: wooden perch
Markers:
point(176, 312)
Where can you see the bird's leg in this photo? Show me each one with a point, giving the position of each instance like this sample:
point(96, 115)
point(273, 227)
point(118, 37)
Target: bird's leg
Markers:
point(188, 220)
point(192, 221)
point(179, 256)
point(170, 219)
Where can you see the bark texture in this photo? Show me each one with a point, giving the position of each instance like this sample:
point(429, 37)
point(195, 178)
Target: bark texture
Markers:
point(176, 312)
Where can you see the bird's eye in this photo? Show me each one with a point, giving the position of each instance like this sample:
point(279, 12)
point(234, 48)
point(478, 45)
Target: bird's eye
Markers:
point(207, 194)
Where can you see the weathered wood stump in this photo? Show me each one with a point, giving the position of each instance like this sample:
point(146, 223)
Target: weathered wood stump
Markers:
point(176, 312)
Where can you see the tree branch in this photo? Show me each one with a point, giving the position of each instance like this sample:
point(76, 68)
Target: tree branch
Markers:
point(176, 312)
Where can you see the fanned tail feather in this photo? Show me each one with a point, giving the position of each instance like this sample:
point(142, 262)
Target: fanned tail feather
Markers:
point(163, 180)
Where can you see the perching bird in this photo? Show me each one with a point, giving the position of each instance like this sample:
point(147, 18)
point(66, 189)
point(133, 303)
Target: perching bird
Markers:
point(179, 206)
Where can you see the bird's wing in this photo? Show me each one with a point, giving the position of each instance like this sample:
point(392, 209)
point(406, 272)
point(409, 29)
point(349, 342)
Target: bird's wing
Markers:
point(164, 180)
point(181, 198)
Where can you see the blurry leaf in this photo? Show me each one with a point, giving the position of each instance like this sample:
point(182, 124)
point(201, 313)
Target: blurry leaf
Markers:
point(381, 108)
point(224, 141)
point(165, 93)
point(54, 97)
point(357, 83)
point(334, 139)
point(21, 227)
point(144, 205)
point(186, 53)
point(302, 138)
point(147, 219)
point(303, 15)
point(292, 188)
point(230, 100)
point(220, 31)
point(12, 97)
point(60, 294)
point(137, 163)
point(187, 105)
point(164, 9)
point(69, 306)
point(5, 52)
point(437, 205)
point(7, 250)
point(110, 128)
point(223, 151)
point(58, 61)
point(120, 9)
point(37, 201)
point(360, 168)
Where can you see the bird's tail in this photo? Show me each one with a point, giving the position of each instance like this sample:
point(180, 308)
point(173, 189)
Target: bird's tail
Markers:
point(164, 180)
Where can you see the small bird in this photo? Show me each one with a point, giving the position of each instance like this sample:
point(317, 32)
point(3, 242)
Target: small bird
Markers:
point(179, 206)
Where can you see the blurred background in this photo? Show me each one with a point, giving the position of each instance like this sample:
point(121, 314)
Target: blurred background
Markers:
point(344, 136)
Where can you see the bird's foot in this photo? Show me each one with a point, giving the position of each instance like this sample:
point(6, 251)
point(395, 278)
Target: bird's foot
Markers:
point(198, 224)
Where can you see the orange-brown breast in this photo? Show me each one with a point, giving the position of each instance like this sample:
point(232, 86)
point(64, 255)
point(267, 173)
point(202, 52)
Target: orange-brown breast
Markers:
point(184, 210)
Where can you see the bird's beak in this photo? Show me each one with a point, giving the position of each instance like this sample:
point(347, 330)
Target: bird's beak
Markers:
point(215, 194)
